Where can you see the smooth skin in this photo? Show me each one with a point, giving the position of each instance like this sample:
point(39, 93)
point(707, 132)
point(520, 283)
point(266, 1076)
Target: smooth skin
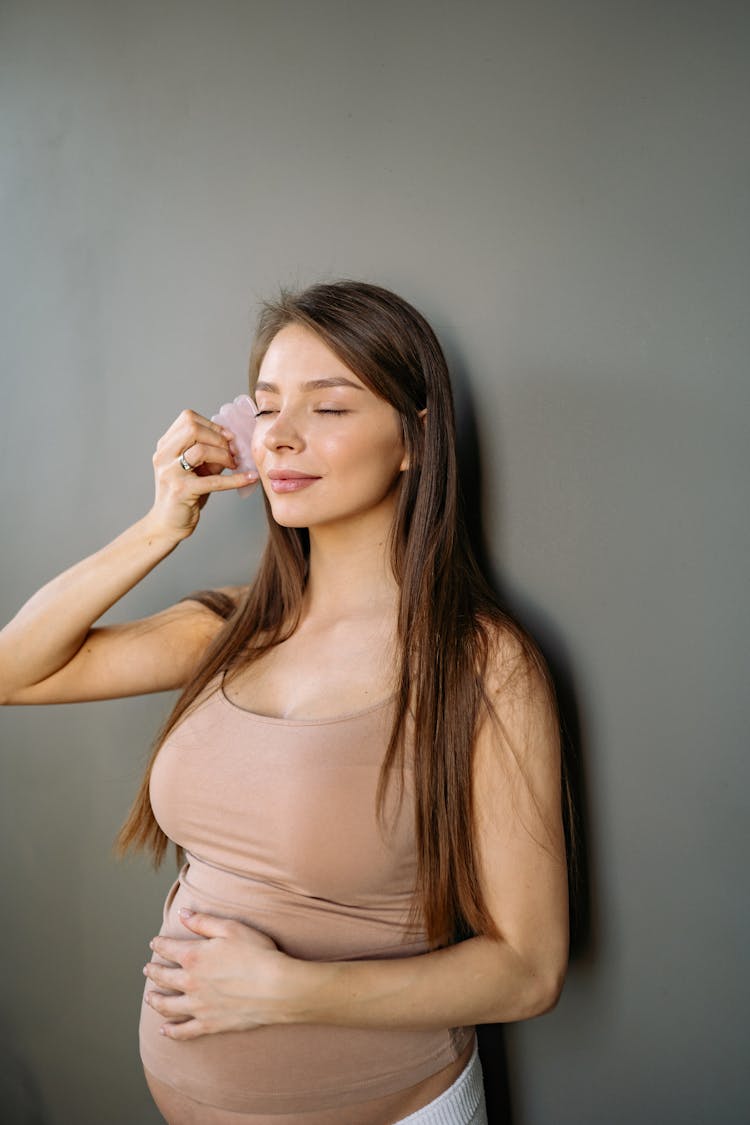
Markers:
point(317, 420)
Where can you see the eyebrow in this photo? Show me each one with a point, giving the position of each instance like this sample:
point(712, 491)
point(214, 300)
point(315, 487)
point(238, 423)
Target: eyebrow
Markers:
point(313, 385)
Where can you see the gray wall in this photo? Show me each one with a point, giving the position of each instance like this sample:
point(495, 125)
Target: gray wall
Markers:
point(562, 189)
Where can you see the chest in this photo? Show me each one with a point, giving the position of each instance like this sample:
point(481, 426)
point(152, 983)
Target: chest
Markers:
point(319, 672)
point(288, 803)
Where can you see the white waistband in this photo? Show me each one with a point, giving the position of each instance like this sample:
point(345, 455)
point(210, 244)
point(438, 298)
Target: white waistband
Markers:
point(461, 1104)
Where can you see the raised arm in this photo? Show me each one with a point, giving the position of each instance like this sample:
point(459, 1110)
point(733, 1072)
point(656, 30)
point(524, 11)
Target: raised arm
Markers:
point(52, 653)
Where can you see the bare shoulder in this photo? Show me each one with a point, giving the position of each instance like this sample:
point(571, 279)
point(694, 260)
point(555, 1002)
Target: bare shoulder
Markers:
point(521, 710)
point(192, 624)
point(236, 593)
point(222, 601)
point(515, 668)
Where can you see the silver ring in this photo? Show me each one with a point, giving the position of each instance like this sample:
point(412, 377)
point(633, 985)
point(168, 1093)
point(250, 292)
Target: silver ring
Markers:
point(185, 463)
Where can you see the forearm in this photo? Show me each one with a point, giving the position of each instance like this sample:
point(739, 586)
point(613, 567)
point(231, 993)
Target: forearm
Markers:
point(476, 981)
point(53, 624)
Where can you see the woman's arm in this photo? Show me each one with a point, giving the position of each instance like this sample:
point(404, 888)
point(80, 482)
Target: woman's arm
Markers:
point(238, 979)
point(521, 854)
point(50, 653)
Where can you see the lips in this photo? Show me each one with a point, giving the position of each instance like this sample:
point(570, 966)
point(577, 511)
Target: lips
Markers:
point(289, 480)
point(289, 474)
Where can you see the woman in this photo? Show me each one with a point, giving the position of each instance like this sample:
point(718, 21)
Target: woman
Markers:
point(363, 770)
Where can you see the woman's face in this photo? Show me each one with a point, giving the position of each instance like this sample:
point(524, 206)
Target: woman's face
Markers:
point(327, 448)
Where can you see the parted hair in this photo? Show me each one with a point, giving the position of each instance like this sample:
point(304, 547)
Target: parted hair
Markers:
point(449, 619)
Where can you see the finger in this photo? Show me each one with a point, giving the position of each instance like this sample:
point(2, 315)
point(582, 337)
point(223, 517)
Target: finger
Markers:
point(169, 951)
point(207, 925)
point(188, 429)
point(203, 485)
point(202, 453)
point(170, 977)
point(187, 1029)
point(176, 1007)
point(191, 419)
point(211, 469)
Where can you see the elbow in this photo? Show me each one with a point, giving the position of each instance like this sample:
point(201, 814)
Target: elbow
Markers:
point(536, 990)
point(538, 987)
point(7, 698)
point(548, 995)
point(546, 986)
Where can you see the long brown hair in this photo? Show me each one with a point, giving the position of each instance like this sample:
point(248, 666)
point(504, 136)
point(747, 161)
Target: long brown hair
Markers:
point(447, 614)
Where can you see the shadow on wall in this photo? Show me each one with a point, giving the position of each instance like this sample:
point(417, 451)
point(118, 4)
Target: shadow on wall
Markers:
point(21, 1100)
point(498, 1081)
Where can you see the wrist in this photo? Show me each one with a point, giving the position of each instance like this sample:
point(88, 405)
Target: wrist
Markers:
point(163, 539)
point(299, 988)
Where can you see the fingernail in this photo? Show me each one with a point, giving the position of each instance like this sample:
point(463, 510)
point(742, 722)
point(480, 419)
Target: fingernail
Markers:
point(185, 913)
point(151, 944)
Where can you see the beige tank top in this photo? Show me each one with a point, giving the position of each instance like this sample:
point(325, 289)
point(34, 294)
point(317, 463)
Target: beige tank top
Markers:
point(277, 819)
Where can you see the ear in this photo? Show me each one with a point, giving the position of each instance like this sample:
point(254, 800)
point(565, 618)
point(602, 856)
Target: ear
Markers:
point(405, 463)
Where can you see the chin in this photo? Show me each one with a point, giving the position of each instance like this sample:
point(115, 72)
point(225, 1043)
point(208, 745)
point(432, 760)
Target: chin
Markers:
point(289, 522)
point(285, 515)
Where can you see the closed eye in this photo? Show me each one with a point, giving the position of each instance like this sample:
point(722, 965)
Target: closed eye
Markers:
point(321, 410)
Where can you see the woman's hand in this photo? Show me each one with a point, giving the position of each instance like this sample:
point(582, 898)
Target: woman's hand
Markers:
point(230, 981)
point(181, 493)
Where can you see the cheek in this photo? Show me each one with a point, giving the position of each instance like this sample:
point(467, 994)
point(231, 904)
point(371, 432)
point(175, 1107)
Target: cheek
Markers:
point(389, 447)
point(339, 450)
point(355, 455)
point(373, 459)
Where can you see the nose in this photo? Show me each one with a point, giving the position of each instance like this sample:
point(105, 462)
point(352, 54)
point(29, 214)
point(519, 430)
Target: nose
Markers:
point(283, 432)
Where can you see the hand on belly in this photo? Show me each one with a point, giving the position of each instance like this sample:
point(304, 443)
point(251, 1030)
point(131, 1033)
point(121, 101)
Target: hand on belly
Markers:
point(229, 981)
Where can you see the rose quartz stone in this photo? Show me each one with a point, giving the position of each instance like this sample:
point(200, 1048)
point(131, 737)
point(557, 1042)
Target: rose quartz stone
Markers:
point(239, 418)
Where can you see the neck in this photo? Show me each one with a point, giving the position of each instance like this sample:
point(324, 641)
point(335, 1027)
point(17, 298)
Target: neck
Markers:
point(350, 569)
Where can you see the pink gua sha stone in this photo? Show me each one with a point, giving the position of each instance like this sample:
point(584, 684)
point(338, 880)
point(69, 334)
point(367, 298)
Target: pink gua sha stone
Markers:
point(239, 418)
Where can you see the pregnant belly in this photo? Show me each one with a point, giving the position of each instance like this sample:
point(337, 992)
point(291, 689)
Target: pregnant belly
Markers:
point(292, 1068)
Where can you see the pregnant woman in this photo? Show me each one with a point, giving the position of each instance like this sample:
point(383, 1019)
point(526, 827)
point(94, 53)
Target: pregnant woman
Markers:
point(362, 773)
